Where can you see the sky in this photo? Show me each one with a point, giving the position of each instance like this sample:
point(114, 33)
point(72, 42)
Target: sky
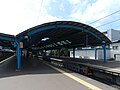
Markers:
point(19, 15)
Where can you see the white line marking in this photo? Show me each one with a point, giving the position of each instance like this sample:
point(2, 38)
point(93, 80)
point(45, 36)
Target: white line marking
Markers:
point(6, 59)
point(56, 59)
point(90, 86)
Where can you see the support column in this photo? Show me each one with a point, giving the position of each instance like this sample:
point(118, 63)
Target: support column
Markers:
point(59, 52)
point(45, 53)
point(18, 56)
point(51, 53)
point(95, 53)
point(73, 52)
point(104, 52)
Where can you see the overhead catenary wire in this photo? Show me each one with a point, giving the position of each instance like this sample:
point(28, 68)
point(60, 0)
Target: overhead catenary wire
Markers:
point(105, 17)
point(108, 23)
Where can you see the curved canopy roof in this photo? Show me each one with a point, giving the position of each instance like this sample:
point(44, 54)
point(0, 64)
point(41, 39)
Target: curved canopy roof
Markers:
point(6, 40)
point(61, 34)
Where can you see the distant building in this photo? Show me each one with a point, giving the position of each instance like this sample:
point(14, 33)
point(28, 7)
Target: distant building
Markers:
point(112, 34)
point(115, 50)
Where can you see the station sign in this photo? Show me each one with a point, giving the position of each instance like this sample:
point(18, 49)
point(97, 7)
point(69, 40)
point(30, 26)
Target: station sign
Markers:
point(21, 44)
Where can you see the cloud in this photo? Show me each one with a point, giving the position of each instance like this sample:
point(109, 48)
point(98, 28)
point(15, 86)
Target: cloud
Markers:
point(19, 15)
point(89, 12)
point(75, 2)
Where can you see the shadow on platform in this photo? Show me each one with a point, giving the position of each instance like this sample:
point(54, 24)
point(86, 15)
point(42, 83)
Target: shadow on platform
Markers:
point(29, 66)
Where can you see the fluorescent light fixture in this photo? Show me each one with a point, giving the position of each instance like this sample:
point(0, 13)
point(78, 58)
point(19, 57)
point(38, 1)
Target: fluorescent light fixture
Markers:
point(55, 44)
point(68, 41)
point(45, 39)
point(26, 37)
point(59, 43)
point(63, 42)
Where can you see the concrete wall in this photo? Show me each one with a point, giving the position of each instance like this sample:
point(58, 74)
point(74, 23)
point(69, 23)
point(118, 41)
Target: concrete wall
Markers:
point(112, 53)
point(85, 54)
point(117, 57)
point(100, 54)
point(90, 54)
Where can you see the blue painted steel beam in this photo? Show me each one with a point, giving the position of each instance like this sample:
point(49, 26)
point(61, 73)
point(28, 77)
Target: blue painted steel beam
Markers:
point(95, 52)
point(18, 56)
point(7, 38)
point(73, 52)
point(61, 25)
point(104, 52)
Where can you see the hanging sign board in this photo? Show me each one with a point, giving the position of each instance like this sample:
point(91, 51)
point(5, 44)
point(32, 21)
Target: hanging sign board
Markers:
point(21, 44)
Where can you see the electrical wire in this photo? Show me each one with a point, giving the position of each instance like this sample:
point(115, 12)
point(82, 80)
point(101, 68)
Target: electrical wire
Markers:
point(108, 23)
point(105, 17)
